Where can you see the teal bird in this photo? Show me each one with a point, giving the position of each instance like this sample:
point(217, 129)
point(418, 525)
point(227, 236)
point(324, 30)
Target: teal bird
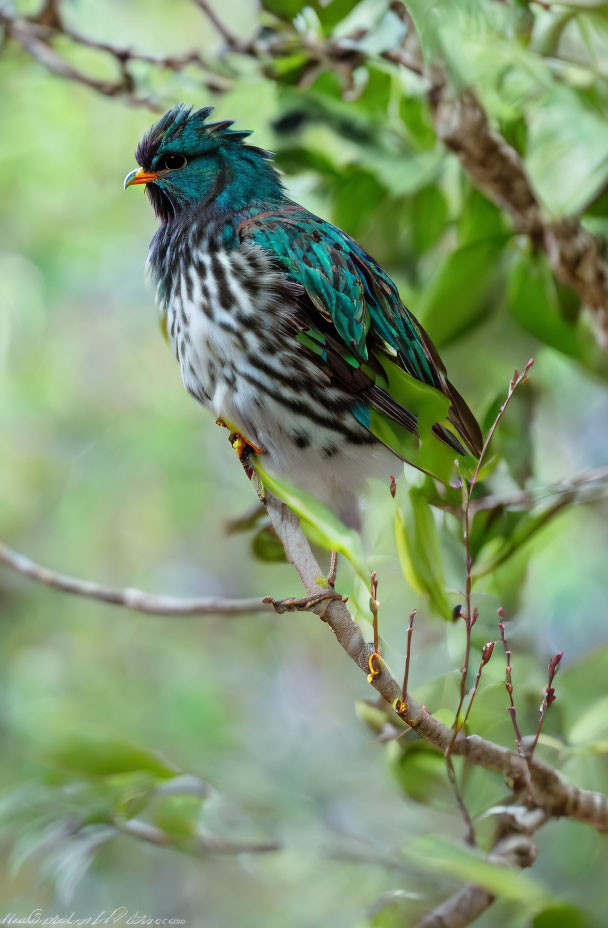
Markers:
point(284, 326)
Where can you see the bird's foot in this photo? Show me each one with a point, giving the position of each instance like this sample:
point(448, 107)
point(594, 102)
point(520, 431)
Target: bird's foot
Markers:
point(291, 604)
point(243, 447)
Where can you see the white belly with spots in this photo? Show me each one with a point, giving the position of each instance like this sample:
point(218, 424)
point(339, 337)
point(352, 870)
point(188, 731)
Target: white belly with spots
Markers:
point(238, 358)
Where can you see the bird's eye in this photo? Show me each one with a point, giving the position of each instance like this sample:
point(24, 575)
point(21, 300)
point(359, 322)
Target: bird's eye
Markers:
point(173, 162)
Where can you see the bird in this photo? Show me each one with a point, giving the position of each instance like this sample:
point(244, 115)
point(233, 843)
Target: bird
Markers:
point(284, 326)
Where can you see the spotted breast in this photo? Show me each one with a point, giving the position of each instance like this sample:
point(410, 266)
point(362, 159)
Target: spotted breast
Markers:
point(232, 320)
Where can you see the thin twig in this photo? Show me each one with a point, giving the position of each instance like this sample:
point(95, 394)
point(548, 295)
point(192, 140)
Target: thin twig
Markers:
point(374, 606)
point(548, 697)
point(408, 654)
point(486, 654)
point(233, 41)
point(131, 598)
point(470, 615)
point(587, 486)
point(469, 835)
point(509, 688)
point(200, 844)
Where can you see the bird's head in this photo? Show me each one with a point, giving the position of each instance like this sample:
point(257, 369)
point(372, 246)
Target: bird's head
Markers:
point(184, 160)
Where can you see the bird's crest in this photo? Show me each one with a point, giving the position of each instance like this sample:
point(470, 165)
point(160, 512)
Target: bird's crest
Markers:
point(182, 128)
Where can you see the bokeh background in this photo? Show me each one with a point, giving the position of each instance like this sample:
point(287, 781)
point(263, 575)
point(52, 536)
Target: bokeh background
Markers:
point(109, 471)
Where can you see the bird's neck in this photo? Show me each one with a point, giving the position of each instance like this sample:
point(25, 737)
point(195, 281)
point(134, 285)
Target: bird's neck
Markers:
point(248, 179)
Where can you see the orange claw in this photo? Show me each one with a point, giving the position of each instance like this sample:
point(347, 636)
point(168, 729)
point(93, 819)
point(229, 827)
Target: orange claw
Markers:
point(375, 666)
point(238, 441)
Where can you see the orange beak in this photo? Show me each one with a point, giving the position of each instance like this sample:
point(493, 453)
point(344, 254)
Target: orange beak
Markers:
point(139, 176)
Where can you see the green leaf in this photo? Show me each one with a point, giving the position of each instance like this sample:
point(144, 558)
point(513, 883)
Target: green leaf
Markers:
point(178, 816)
point(266, 546)
point(512, 531)
point(439, 854)
point(563, 916)
point(532, 300)
point(296, 158)
point(418, 548)
point(377, 92)
point(355, 196)
point(428, 212)
point(592, 724)
point(460, 295)
point(100, 755)
point(480, 218)
point(284, 9)
point(567, 145)
point(405, 174)
point(416, 118)
point(318, 521)
point(419, 770)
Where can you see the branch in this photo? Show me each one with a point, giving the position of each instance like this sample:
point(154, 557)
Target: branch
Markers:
point(574, 254)
point(32, 37)
point(587, 486)
point(233, 41)
point(36, 34)
point(551, 792)
point(201, 844)
point(134, 599)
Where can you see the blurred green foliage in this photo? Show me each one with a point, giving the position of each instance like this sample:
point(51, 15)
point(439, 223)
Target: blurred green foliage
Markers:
point(109, 471)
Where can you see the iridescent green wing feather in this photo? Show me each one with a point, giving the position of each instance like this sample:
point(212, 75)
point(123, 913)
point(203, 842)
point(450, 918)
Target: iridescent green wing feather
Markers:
point(366, 339)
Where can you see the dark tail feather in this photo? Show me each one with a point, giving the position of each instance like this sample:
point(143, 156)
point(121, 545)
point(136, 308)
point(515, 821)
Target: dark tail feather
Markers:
point(464, 421)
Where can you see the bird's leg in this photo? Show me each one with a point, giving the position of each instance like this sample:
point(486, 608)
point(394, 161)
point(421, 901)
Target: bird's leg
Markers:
point(243, 448)
point(333, 569)
point(305, 604)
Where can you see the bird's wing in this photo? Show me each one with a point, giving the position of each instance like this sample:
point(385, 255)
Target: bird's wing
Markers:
point(366, 339)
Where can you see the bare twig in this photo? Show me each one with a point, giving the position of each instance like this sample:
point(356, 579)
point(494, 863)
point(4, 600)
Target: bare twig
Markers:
point(486, 654)
point(36, 35)
point(509, 687)
point(469, 835)
point(374, 606)
point(587, 486)
point(32, 37)
point(233, 41)
point(471, 615)
point(201, 844)
point(408, 655)
point(131, 598)
point(548, 697)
